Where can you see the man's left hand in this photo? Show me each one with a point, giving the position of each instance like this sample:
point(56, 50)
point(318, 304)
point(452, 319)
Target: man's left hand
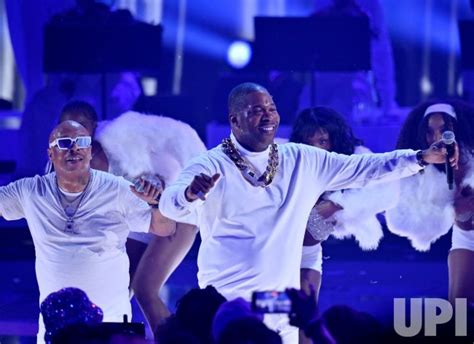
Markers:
point(436, 154)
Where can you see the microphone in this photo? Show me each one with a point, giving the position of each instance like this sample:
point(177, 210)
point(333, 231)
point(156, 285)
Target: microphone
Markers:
point(153, 179)
point(448, 139)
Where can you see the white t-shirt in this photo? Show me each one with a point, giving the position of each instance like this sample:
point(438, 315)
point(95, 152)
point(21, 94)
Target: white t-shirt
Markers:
point(252, 237)
point(93, 258)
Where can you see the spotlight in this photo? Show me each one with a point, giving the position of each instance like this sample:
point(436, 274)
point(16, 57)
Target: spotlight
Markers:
point(426, 85)
point(239, 54)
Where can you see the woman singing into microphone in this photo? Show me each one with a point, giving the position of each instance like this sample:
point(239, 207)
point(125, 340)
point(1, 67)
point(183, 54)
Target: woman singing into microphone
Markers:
point(427, 208)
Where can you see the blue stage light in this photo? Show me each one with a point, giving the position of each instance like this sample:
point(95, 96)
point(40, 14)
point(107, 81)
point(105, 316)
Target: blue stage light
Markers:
point(239, 54)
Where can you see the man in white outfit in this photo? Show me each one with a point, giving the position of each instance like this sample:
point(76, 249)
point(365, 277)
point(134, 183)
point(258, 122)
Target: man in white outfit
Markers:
point(251, 199)
point(79, 219)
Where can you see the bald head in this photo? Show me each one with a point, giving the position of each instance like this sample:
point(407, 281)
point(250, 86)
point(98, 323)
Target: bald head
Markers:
point(68, 128)
point(237, 97)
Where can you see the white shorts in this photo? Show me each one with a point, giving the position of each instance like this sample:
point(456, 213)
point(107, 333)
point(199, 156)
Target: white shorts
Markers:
point(462, 239)
point(312, 258)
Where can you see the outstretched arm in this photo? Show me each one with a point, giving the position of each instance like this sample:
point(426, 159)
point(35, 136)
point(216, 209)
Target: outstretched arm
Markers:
point(355, 171)
point(11, 199)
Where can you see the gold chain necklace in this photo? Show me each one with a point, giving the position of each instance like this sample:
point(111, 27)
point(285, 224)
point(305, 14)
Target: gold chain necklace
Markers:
point(247, 170)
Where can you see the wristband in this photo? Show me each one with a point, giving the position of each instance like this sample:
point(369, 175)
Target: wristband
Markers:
point(420, 160)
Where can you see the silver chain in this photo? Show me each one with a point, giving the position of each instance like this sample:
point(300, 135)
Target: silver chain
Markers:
point(69, 208)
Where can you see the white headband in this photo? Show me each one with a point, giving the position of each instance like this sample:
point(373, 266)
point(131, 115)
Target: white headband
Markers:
point(440, 107)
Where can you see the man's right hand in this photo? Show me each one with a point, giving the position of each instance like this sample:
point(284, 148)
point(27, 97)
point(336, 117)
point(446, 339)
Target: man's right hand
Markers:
point(200, 186)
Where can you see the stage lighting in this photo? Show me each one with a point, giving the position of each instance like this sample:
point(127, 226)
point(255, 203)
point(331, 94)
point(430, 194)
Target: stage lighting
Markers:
point(239, 54)
point(426, 85)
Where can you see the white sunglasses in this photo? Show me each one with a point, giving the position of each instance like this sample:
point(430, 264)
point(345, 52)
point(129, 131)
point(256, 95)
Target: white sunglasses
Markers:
point(65, 143)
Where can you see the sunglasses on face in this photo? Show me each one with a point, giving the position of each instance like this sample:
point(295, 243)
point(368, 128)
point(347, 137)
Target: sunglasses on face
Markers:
point(65, 143)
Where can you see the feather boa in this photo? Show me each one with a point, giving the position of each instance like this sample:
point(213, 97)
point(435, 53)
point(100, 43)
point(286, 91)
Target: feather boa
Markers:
point(360, 207)
point(137, 144)
point(425, 211)
point(419, 208)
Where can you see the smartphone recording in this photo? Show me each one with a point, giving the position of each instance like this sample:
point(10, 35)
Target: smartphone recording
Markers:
point(271, 302)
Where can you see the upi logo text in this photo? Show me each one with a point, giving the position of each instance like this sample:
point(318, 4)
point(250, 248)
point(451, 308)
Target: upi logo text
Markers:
point(432, 312)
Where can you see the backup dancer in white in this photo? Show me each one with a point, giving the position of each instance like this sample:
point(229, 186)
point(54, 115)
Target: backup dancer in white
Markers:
point(439, 209)
point(79, 219)
point(251, 198)
point(324, 128)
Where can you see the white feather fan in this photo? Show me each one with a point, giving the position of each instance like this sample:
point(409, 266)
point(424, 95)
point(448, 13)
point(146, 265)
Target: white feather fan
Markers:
point(136, 144)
